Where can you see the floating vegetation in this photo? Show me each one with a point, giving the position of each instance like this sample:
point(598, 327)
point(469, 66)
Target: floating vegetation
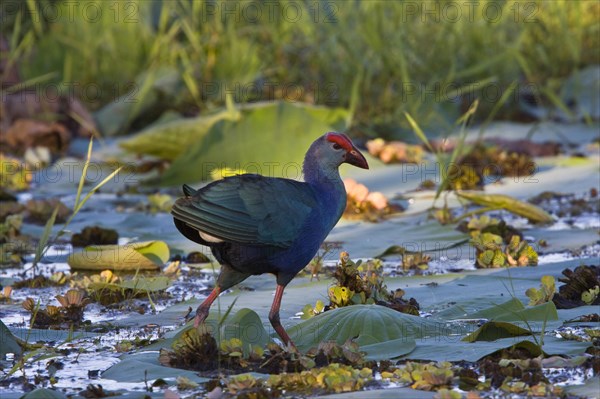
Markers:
point(197, 349)
point(55, 280)
point(516, 370)
point(12, 243)
point(361, 283)
point(491, 252)
point(544, 293)
point(486, 224)
point(14, 174)
point(334, 378)
point(491, 160)
point(192, 351)
point(464, 177)
point(68, 315)
point(424, 376)
point(159, 202)
point(107, 288)
point(581, 287)
point(94, 235)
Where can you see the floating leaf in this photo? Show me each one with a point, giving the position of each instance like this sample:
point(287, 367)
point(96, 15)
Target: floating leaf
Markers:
point(148, 255)
point(44, 393)
point(248, 143)
point(531, 212)
point(372, 324)
point(389, 349)
point(494, 330)
point(169, 140)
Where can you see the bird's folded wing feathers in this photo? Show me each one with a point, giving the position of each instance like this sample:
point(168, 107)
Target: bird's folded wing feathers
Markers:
point(249, 209)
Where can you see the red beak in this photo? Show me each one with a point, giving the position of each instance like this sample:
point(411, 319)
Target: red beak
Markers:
point(354, 157)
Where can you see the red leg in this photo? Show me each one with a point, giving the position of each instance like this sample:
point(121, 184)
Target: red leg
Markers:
point(274, 317)
point(202, 311)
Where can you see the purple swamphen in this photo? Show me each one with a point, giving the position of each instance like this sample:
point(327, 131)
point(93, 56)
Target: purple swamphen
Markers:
point(256, 224)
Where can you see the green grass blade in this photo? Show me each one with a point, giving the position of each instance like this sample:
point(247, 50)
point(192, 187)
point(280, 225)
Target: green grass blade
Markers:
point(41, 247)
point(83, 174)
point(419, 132)
point(93, 190)
point(36, 19)
point(227, 312)
point(503, 99)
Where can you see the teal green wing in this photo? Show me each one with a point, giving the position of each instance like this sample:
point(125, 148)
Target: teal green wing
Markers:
point(249, 209)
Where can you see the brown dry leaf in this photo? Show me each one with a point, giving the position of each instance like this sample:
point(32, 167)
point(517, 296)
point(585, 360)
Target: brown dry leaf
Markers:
point(28, 133)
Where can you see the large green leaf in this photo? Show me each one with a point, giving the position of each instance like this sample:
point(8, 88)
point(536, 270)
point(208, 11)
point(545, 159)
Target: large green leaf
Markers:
point(148, 255)
point(372, 324)
point(168, 140)
point(389, 349)
point(453, 349)
point(269, 139)
point(144, 366)
point(247, 326)
point(513, 310)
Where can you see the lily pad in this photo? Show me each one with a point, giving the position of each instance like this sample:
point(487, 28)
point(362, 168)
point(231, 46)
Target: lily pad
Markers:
point(588, 390)
point(167, 140)
point(389, 349)
point(379, 323)
point(247, 326)
point(533, 213)
point(148, 255)
point(43, 393)
point(248, 142)
point(144, 366)
point(494, 330)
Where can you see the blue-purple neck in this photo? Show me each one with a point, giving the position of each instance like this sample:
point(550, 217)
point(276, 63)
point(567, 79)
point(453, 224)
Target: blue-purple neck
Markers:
point(325, 178)
point(320, 172)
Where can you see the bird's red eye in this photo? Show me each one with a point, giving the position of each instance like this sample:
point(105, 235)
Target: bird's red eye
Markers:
point(336, 146)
